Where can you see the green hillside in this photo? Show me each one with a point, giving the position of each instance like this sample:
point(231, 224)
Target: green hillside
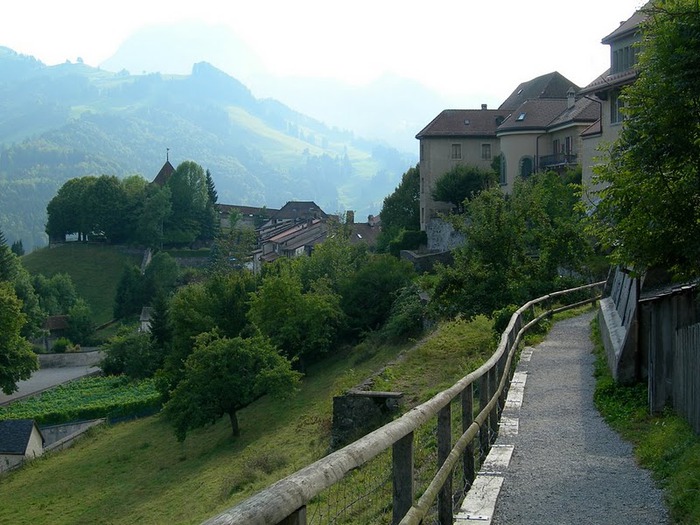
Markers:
point(72, 120)
point(137, 472)
point(95, 270)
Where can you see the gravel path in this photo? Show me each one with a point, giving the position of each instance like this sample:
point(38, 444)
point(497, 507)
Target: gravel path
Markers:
point(568, 466)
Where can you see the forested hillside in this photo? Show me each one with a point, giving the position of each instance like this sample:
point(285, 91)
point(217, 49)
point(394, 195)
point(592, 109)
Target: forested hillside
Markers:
point(73, 120)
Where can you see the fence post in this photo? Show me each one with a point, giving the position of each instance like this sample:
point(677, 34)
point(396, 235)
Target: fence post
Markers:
point(493, 418)
point(444, 437)
point(467, 420)
point(484, 429)
point(297, 518)
point(402, 473)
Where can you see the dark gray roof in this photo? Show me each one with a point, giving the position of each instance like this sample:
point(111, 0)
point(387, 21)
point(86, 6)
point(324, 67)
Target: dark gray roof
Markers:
point(631, 25)
point(300, 210)
point(551, 85)
point(14, 435)
point(533, 114)
point(608, 81)
point(584, 110)
point(164, 174)
point(464, 123)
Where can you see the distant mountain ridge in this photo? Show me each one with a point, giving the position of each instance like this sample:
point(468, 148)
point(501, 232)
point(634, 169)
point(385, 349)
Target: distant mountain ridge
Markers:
point(71, 120)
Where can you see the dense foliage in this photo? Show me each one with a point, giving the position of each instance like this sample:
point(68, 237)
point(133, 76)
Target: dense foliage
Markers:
point(461, 184)
point(649, 213)
point(401, 210)
point(517, 247)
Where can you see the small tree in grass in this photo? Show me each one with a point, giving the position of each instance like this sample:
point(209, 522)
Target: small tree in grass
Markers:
point(222, 376)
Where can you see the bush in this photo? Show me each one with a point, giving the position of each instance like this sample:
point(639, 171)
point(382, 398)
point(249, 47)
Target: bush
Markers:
point(61, 345)
point(132, 354)
point(501, 318)
point(406, 316)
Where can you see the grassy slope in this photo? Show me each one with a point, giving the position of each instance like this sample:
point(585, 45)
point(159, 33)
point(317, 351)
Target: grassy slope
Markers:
point(95, 270)
point(137, 473)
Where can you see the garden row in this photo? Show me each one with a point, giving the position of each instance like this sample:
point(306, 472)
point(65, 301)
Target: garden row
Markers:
point(113, 398)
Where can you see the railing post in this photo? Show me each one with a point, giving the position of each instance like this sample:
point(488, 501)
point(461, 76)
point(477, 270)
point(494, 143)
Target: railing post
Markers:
point(402, 473)
point(484, 429)
point(444, 437)
point(467, 420)
point(297, 518)
point(493, 418)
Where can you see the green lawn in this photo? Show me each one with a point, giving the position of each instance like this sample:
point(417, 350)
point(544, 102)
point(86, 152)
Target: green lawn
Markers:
point(95, 270)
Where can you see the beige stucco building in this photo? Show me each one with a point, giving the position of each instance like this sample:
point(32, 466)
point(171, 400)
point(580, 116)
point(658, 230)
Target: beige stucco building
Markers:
point(607, 88)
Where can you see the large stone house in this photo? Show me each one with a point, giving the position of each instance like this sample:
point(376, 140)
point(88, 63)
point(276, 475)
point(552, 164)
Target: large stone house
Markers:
point(537, 127)
point(606, 88)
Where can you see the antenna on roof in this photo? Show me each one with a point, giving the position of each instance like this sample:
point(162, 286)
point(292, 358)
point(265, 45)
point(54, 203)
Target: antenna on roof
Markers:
point(167, 154)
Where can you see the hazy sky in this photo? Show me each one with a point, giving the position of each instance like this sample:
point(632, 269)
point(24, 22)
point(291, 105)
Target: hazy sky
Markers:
point(464, 48)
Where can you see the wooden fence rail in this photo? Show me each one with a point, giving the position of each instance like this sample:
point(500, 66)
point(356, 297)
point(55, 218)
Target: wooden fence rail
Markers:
point(285, 501)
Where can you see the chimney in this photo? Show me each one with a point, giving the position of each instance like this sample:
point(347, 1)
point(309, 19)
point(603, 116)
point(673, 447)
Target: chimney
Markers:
point(570, 98)
point(350, 217)
point(484, 106)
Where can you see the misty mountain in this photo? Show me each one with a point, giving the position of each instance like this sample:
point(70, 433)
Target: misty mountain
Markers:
point(389, 109)
point(72, 120)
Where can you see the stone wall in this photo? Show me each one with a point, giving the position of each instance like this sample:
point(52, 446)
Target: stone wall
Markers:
point(357, 413)
point(425, 262)
point(442, 236)
point(70, 359)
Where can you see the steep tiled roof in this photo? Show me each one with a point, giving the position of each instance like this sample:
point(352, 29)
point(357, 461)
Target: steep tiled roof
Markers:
point(464, 123)
point(245, 210)
point(14, 435)
point(584, 110)
point(164, 174)
point(608, 81)
point(533, 114)
point(551, 85)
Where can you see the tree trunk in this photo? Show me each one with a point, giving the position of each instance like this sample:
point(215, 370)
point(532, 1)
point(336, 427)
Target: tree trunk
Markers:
point(234, 423)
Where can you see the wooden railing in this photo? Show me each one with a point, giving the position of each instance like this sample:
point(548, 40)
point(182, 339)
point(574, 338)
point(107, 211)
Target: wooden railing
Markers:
point(285, 502)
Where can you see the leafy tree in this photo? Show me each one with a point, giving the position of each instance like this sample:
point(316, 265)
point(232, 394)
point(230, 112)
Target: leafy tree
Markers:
point(80, 325)
point(232, 248)
point(302, 325)
point(129, 297)
point(56, 294)
point(367, 296)
point(224, 375)
point(401, 209)
point(189, 200)
point(462, 183)
point(8, 263)
point(157, 210)
point(210, 222)
point(161, 330)
point(649, 213)
point(515, 247)
point(161, 276)
point(105, 202)
point(334, 260)
point(132, 354)
point(69, 211)
point(17, 361)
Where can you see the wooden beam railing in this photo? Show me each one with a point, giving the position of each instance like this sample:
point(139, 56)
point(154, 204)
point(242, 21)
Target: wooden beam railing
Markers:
point(285, 502)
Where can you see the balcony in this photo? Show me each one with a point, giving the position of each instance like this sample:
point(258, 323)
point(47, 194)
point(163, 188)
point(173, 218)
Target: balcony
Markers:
point(557, 160)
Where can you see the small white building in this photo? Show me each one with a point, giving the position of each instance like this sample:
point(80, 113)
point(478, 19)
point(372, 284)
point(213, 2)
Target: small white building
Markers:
point(20, 440)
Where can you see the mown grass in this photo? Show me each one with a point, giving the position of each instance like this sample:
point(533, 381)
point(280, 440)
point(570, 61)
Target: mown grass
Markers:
point(664, 443)
point(137, 472)
point(95, 270)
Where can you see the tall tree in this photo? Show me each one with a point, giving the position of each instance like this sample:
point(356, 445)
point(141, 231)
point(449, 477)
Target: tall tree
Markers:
point(401, 209)
point(649, 213)
point(189, 198)
point(17, 361)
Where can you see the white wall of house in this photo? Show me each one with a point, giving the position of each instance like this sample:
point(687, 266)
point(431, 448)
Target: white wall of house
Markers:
point(516, 147)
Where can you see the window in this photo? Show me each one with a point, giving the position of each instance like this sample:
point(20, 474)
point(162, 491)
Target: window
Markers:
point(568, 148)
point(525, 167)
point(504, 175)
point(616, 107)
point(555, 146)
point(456, 151)
point(422, 151)
point(521, 117)
point(486, 152)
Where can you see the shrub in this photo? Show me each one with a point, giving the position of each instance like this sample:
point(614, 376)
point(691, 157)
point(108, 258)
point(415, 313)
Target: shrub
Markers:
point(61, 345)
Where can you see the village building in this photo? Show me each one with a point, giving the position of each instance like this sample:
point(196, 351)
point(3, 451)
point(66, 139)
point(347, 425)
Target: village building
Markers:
point(20, 440)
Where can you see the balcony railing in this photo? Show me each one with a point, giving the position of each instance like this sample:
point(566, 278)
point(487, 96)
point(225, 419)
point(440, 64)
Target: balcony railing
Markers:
point(558, 159)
